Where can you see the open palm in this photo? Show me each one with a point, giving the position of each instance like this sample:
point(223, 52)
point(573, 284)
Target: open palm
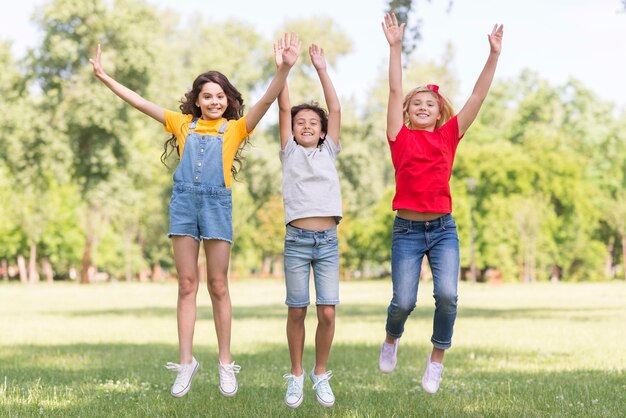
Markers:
point(495, 38)
point(317, 57)
point(291, 49)
point(393, 31)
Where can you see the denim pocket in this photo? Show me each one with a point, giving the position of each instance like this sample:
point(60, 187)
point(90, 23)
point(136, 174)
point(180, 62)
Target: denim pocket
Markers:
point(400, 230)
point(449, 225)
point(224, 201)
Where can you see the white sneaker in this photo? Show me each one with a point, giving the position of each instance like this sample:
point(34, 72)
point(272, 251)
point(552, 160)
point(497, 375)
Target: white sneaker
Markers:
point(184, 376)
point(294, 395)
point(322, 388)
point(228, 380)
point(388, 356)
point(432, 376)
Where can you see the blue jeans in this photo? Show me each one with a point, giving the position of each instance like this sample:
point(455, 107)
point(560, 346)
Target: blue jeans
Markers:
point(438, 240)
point(305, 249)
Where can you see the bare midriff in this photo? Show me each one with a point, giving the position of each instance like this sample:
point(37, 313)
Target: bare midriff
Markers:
point(318, 223)
point(411, 215)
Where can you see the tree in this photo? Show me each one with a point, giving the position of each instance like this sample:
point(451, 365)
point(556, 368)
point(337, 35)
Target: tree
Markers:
point(406, 12)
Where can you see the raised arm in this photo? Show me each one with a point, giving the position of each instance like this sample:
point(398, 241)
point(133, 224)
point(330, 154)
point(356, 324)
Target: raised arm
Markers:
point(154, 111)
point(289, 56)
point(395, 116)
point(330, 95)
point(469, 111)
point(284, 105)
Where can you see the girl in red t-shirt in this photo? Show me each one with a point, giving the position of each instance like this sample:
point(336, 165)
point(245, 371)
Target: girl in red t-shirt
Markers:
point(423, 136)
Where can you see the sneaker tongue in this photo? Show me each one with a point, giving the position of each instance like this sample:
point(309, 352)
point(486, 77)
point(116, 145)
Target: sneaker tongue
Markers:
point(437, 366)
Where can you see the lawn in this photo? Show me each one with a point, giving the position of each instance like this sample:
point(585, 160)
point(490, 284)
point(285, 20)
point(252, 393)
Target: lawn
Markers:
point(518, 350)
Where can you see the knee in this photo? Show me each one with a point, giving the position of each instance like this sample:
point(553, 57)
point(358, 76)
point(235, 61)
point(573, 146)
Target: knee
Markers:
point(187, 285)
point(446, 300)
point(296, 315)
point(326, 315)
point(218, 287)
point(402, 307)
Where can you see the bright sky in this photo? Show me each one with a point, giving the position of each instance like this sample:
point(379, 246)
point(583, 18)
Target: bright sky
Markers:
point(559, 39)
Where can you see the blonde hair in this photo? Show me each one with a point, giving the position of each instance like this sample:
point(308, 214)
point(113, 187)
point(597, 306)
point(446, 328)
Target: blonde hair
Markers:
point(445, 107)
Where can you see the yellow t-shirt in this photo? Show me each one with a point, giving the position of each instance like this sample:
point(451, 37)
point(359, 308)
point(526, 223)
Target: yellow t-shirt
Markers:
point(178, 125)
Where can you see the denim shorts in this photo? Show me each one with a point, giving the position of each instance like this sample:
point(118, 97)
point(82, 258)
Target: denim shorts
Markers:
point(305, 249)
point(201, 212)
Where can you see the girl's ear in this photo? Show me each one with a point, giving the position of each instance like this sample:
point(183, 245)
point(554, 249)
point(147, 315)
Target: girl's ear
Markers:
point(323, 135)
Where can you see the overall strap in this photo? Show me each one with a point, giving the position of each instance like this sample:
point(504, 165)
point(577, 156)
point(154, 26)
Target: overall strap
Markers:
point(222, 128)
point(193, 123)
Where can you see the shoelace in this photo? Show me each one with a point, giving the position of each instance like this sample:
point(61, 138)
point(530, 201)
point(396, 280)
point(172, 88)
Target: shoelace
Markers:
point(293, 388)
point(183, 370)
point(227, 372)
point(435, 370)
point(322, 382)
point(388, 349)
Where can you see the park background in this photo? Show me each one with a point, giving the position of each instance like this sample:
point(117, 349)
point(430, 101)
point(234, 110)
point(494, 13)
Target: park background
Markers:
point(538, 183)
point(539, 188)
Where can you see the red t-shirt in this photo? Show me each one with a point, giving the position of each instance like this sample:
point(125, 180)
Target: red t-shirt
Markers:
point(423, 163)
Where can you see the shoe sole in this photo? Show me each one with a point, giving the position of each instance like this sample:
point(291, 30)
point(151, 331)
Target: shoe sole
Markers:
point(326, 404)
point(428, 390)
point(295, 405)
point(188, 388)
point(229, 394)
point(386, 371)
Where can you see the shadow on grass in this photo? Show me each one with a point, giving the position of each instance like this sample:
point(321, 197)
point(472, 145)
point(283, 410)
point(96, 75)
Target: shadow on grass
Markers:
point(363, 312)
point(129, 380)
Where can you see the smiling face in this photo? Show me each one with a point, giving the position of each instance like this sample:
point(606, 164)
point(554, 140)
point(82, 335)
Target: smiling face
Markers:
point(423, 110)
point(212, 101)
point(307, 128)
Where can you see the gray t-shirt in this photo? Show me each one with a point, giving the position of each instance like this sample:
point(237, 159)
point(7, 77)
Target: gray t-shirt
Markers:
point(310, 181)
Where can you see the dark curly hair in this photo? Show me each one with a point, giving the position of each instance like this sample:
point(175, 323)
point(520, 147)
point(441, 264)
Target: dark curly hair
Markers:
point(321, 112)
point(188, 106)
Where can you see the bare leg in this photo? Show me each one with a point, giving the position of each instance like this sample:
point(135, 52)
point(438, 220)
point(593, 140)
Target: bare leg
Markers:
point(390, 340)
point(437, 355)
point(324, 336)
point(186, 258)
point(217, 259)
point(295, 338)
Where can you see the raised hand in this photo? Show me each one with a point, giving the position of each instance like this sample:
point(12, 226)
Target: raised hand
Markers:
point(317, 57)
point(393, 32)
point(96, 64)
point(279, 47)
point(495, 39)
point(291, 49)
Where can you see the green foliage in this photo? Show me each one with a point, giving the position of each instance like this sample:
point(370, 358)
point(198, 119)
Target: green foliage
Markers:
point(83, 173)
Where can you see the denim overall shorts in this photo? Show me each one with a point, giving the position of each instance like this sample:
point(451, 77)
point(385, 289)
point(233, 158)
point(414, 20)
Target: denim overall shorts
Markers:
point(201, 205)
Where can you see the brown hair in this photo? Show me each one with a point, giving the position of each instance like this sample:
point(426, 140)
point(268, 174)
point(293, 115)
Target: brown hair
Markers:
point(315, 108)
point(188, 106)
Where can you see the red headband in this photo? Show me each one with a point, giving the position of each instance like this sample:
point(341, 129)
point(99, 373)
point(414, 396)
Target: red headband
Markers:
point(435, 89)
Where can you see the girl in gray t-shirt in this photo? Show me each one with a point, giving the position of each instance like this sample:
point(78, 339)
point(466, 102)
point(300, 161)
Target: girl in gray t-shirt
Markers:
point(309, 139)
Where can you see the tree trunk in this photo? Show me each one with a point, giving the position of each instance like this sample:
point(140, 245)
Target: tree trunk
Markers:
point(277, 267)
point(624, 255)
point(143, 275)
point(156, 272)
point(554, 277)
point(4, 266)
point(608, 261)
point(267, 265)
point(33, 273)
point(129, 259)
point(21, 265)
point(47, 270)
point(86, 264)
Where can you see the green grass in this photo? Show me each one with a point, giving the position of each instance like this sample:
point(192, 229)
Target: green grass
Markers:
point(539, 350)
